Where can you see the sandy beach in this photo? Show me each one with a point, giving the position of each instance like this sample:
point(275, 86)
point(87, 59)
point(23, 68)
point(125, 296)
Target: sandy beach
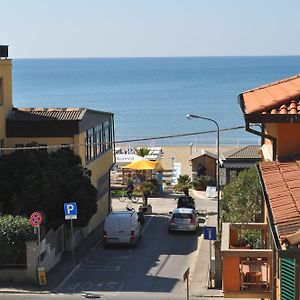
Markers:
point(181, 154)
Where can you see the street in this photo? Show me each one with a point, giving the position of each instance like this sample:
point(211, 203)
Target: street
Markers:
point(156, 265)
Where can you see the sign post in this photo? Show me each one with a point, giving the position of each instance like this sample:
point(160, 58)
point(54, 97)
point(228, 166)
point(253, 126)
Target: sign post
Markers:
point(71, 214)
point(186, 278)
point(210, 233)
point(36, 220)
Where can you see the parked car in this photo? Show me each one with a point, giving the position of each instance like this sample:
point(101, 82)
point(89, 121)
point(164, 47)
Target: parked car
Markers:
point(122, 227)
point(186, 201)
point(183, 219)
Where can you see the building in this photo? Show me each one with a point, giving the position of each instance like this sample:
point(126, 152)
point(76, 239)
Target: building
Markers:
point(89, 132)
point(204, 163)
point(273, 271)
point(237, 160)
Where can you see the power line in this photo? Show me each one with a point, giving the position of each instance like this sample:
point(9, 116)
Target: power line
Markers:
point(46, 147)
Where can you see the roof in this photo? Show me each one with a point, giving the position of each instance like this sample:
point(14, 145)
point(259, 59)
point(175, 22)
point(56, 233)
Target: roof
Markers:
point(46, 114)
point(248, 152)
point(281, 180)
point(53, 122)
point(277, 98)
point(202, 153)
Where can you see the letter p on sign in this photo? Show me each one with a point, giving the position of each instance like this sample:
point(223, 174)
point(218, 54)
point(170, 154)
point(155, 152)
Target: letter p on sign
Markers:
point(70, 210)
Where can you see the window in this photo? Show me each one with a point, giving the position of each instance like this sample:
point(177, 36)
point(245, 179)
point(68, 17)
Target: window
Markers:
point(98, 140)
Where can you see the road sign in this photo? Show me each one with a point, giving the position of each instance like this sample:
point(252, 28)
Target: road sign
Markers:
point(36, 219)
point(70, 210)
point(210, 233)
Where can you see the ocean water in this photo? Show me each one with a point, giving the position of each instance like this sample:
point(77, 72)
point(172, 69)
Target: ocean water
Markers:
point(151, 97)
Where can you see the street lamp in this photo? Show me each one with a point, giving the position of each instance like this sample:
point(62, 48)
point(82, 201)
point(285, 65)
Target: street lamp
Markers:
point(218, 162)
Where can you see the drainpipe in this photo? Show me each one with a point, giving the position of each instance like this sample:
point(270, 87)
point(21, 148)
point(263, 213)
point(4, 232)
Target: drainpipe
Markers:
point(263, 137)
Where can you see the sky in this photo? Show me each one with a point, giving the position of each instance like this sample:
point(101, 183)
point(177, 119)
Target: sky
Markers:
point(149, 28)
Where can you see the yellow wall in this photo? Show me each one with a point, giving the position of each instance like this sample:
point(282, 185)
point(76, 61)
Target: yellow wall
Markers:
point(6, 106)
point(11, 142)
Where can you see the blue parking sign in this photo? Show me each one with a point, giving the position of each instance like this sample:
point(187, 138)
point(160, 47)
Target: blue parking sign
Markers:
point(70, 210)
point(210, 233)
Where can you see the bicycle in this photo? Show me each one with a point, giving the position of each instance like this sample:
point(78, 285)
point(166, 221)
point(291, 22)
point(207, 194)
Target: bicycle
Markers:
point(126, 195)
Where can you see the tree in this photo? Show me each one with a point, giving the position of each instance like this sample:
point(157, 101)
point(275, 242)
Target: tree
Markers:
point(241, 199)
point(148, 188)
point(143, 151)
point(36, 180)
point(241, 203)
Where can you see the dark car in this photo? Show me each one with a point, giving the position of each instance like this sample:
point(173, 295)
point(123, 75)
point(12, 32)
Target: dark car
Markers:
point(186, 202)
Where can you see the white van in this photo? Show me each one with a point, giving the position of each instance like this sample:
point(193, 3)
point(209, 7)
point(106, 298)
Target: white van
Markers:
point(122, 227)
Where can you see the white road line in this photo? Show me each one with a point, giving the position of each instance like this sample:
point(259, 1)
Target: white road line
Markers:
point(145, 227)
point(68, 276)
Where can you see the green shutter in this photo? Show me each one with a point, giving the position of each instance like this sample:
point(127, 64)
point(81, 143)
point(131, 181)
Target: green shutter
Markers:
point(288, 278)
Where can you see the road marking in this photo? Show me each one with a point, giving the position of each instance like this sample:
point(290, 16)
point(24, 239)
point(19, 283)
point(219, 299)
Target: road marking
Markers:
point(147, 224)
point(68, 277)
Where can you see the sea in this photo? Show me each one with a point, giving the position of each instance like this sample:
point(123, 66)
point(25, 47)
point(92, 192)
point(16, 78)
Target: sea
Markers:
point(150, 97)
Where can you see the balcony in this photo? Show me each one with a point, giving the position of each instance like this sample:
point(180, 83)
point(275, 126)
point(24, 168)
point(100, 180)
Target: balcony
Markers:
point(246, 272)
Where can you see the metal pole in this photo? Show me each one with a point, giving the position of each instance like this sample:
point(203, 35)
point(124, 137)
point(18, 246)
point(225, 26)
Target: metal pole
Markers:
point(39, 244)
point(72, 243)
point(187, 288)
point(218, 163)
point(210, 285)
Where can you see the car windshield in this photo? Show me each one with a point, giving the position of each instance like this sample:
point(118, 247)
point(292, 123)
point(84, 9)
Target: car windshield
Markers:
point(182, 216)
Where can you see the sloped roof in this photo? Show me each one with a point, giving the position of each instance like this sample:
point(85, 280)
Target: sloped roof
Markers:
point(280, 97)
point(282, 183)
point(202, 153)
point(46, 114)
point(248, 152)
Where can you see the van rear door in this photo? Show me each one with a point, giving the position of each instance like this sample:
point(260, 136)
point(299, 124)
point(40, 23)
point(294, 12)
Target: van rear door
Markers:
point(124, 228)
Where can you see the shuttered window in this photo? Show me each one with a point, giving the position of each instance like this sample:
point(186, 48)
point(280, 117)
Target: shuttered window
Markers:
point(288, 279)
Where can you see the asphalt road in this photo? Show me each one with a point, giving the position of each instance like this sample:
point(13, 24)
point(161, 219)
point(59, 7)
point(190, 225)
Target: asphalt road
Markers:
point(155, 267)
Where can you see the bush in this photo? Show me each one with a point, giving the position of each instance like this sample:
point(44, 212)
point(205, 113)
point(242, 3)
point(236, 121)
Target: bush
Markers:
point(183, 184)
point(201, 182)
point(14, 232)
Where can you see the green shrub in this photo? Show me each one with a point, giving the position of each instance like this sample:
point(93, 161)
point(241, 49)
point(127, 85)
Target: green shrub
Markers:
point(183, 184)
point(14, 232)
point(201, 182)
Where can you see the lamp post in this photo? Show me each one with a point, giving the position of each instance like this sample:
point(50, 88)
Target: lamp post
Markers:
point(218, 162)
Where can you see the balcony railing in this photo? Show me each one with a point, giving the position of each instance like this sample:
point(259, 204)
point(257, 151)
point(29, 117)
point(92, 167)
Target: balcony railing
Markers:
point(246, 272)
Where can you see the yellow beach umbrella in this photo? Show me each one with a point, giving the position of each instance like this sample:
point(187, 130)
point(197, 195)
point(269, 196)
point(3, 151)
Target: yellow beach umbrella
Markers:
point(143, 165)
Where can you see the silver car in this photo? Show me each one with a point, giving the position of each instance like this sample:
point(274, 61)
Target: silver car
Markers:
point(183, 219)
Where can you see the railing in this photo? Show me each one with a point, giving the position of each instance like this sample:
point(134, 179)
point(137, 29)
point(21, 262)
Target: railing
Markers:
point(246, 272)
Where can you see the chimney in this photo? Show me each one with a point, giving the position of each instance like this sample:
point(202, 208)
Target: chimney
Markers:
point(3, 51)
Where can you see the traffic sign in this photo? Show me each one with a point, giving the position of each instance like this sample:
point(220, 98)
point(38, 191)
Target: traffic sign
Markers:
point(210, 233)
point(70, 210)
point(36, 219)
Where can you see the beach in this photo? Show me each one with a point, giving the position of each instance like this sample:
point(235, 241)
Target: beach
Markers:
point(181, 154)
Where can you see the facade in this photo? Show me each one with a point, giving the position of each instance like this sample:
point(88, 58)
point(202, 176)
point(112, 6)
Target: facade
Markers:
point(89, 132)
point(238, 160)
point(275, 107)
point(204, 163)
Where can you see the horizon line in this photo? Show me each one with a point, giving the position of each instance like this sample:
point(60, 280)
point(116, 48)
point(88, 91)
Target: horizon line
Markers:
point(157, 57)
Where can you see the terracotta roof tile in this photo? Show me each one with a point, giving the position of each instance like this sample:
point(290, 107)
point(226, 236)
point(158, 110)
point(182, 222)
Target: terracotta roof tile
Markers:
point(282, 184)
point(280, 97)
